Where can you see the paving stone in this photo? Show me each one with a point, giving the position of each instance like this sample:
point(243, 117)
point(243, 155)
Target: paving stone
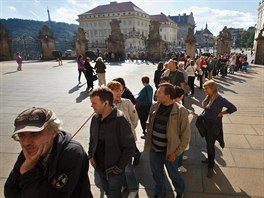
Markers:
point(248, 158)
point(236, 141)
point(235, 181)
point(7, 161)
point(239, 166)
point(256, 142)
point(239, 129)
point(259, 128)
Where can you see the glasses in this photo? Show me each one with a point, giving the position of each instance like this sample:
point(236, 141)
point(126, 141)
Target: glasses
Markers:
point(20, 137)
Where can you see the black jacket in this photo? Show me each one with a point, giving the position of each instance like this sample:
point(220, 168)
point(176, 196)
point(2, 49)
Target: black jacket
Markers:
point(120, 142)
point(66, 174)
point(128, 95)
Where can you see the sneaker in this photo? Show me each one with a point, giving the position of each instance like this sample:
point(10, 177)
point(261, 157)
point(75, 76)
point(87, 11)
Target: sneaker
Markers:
point(132, 194)
point(182, 170)
point(184, 157)
point(143, 137)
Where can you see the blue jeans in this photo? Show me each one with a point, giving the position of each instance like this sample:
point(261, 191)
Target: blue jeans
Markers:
point(111, 183)
point(157, 161)
point(131, 178)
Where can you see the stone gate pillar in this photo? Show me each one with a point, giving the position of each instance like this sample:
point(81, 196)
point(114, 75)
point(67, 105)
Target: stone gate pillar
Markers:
point(5, 44)
point(259, 54)
point(116, 42)
point(81, 43)
point(155, 45)
point(190, 43)
point(47, 40)
point(224, 42)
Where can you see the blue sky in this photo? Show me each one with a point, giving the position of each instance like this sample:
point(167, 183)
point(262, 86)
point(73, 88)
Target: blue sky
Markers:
point(216, 13)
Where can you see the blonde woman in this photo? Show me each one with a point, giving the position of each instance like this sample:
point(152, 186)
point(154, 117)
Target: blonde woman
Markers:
point(100, 70)
point(209, 123)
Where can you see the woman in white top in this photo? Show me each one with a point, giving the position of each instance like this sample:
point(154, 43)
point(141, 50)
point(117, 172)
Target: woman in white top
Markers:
point(130, 112)
point(191, 69)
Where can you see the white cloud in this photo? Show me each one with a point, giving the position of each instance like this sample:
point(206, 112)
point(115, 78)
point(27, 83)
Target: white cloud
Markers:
point(217, 19)
point(12, 8)
point(66, 15)
point(36, 1)
point(38, 17)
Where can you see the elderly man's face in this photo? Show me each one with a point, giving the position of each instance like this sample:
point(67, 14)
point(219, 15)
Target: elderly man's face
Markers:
point(32, 141)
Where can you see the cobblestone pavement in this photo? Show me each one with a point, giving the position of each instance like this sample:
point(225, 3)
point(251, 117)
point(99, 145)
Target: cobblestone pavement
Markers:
point(240, 166)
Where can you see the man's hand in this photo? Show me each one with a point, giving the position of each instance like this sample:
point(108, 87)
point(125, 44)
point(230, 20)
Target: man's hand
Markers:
point(31, 160)
point(172, 157)
point(92, 162)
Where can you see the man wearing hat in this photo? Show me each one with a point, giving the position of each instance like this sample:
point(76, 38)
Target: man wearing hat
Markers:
point(50, 164)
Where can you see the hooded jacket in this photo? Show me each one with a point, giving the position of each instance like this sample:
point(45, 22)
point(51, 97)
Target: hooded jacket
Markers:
point(65, 174)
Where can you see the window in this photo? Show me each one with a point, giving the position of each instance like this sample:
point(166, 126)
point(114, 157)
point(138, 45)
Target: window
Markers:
point(129, 22)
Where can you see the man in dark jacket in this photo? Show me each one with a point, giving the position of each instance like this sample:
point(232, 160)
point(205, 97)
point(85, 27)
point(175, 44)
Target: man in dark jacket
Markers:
point(112, 143)
point(45, 166)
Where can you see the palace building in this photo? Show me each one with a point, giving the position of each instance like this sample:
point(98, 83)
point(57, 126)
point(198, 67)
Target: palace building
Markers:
point(134, 24)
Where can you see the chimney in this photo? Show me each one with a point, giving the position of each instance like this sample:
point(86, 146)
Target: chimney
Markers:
point(113, 2)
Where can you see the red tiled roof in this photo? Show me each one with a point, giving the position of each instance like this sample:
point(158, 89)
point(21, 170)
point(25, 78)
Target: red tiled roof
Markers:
point(115, 7)
point(161, 18)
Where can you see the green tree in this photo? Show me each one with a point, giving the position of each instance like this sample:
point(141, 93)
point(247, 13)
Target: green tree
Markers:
point(247, 38)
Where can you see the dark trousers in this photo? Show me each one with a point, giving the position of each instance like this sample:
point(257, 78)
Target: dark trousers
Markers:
point(111, 183)
point(157, 162)
point(210, 145)
point(143, 112)
point(80, 71)
point(210, 138)
point(89, 79)
point(191, 83)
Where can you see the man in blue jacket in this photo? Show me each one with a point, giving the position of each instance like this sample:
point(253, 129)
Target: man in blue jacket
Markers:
point(45, 166)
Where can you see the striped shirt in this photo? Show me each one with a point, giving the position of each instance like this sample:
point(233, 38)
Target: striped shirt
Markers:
point(159, 136)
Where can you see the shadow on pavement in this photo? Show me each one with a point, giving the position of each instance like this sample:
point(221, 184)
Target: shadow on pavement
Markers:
point(75, 88)
point(10, 72)
point(83, 95)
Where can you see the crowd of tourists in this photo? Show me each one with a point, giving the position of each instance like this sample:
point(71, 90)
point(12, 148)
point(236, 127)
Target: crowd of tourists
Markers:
point(52, 164)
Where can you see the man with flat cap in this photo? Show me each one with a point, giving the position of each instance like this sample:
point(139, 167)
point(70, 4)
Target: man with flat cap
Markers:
point(50, 164)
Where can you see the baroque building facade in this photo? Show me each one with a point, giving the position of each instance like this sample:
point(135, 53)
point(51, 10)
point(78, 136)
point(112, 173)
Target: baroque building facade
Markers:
point(134, 26)
point(204, 38)
point(184, 22)
point(168, 28)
